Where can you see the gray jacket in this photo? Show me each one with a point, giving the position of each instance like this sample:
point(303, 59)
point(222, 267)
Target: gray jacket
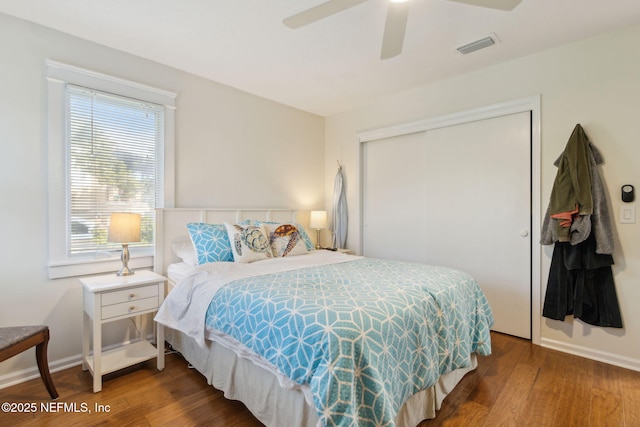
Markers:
point(599, 220)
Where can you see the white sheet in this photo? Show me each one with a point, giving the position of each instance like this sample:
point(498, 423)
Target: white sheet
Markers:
point(178, 271)
point(185, 307)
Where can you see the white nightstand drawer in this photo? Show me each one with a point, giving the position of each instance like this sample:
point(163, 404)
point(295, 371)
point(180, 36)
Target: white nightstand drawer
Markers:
point(116, 297)
point(129, 307)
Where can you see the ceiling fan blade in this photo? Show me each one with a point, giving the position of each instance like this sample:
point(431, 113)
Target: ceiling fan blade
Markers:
point(319, 12)
point(493, 4)
point(394, 30)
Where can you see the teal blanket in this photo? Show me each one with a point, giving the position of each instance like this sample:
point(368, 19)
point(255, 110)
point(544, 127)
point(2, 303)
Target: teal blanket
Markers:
point(365, 335)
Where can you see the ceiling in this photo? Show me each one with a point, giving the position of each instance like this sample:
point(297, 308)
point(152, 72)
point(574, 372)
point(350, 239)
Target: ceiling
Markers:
point(332, 65)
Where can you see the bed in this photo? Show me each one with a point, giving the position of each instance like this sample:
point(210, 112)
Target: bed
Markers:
point(315, 337)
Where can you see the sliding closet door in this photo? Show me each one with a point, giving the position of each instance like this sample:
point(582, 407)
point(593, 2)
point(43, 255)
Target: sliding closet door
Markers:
point(458, 196)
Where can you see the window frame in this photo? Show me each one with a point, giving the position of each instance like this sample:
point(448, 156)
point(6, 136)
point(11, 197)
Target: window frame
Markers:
point(58, 76)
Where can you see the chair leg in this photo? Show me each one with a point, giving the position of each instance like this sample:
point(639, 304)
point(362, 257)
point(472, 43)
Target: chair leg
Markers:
point(43, 366)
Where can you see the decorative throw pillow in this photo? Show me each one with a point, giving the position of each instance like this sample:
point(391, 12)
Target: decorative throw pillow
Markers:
point(303, 234)
point(248, 242)
point(285, 240)
point(210, 241)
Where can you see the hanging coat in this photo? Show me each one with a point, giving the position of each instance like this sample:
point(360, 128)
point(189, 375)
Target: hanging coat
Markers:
point(339, 224)
point(571, 194)
point(599, 222)
point(580, 279)
point(581, 283)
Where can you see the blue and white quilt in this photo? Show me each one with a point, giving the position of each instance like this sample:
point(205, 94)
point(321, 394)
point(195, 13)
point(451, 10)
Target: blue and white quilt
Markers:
point(364, 335)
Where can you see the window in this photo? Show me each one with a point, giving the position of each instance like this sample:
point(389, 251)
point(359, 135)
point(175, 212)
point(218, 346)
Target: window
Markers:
point(111, 149)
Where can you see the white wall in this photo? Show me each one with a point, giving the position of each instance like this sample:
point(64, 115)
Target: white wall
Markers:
point(595, 83)
point(232, 150)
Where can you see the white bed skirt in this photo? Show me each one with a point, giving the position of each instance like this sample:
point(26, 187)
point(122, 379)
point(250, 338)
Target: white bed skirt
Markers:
point(261, 392)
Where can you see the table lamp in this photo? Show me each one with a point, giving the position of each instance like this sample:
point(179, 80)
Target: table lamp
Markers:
point(124, 228)
point(318, 220)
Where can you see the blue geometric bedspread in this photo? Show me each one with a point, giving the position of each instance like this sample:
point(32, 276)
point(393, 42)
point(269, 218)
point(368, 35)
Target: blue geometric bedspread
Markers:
point(365, 335)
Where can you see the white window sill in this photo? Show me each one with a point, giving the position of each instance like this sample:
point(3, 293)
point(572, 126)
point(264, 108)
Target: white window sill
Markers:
point(97, 265)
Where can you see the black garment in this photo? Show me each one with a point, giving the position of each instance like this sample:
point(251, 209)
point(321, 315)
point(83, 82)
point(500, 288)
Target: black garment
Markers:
point(581, 283)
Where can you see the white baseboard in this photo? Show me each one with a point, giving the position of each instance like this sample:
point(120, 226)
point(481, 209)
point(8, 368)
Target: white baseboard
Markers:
point(589, 353)
point(13, 378)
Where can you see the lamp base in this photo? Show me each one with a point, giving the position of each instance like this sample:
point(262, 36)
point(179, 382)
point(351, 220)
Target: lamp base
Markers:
point(318, 239)
point(125, 270)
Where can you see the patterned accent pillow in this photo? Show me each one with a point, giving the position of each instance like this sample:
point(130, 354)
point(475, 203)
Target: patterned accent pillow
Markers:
point(285, 240)
point(210, 242)
point(305, 237)
point(248, 242)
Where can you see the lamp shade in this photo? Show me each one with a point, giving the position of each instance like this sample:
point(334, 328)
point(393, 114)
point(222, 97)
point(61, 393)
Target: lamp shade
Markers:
point(318, 219)
point(124, 227)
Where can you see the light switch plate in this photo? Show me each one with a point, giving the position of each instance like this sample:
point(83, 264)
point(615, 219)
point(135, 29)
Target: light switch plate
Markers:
point(627, 214)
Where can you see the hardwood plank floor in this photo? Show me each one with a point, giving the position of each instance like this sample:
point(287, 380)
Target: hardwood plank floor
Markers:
point(521, 384)
point(518, 385)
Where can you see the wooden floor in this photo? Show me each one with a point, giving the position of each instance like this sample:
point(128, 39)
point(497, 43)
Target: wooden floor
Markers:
point(519, 385)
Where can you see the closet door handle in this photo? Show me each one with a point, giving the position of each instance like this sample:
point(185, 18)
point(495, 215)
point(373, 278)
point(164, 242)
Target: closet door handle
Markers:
point(524, 233)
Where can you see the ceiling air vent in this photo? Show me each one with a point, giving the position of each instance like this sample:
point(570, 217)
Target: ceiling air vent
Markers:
point(490, 40)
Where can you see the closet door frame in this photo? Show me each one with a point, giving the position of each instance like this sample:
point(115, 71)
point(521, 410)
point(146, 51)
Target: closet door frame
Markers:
point(531, 104)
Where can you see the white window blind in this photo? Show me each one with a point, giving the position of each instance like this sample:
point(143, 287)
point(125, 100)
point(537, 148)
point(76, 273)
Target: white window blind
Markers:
point(114, 164)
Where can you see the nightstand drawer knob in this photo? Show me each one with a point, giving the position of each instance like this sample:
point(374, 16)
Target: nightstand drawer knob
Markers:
point(132, 295)
point(132, 308)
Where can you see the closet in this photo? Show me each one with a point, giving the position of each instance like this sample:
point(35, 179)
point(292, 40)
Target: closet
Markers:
point(457, 193)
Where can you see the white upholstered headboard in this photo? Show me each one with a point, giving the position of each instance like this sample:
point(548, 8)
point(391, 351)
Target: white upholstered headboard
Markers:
point(171, 226)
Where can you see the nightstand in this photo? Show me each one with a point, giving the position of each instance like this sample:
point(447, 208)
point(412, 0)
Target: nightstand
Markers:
point(108, 298)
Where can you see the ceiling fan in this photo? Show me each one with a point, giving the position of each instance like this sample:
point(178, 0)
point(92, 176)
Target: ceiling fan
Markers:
point(396, 21)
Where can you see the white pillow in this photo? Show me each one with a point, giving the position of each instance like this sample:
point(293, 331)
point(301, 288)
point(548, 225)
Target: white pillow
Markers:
point(285, 240)
point(248, 242)
point(186, 252)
